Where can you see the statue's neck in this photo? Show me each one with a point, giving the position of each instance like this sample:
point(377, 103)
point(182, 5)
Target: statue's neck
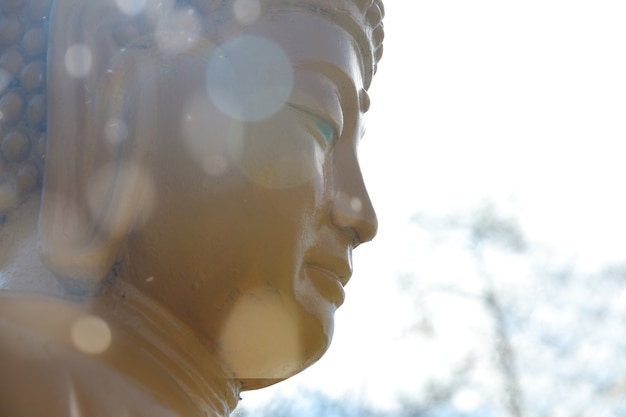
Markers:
point(118, 353)
point(167, 358)
point(174, 346)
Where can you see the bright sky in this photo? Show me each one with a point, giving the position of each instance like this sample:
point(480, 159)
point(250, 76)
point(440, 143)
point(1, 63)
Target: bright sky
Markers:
point(522, 103)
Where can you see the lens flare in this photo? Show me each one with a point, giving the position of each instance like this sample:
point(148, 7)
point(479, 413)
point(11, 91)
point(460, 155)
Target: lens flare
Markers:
point(215, 165)
point(355, 204)
point(249, 78)
point(207, 134)
point(91, 334)
point(115, 132)
point(131, 7)
point(178, 30)
point(261, 337)
point(78, 60)
point(278, 154)
point(246, 11)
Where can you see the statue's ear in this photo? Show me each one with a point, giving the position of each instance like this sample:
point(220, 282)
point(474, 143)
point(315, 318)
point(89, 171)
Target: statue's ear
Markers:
point(101, 121)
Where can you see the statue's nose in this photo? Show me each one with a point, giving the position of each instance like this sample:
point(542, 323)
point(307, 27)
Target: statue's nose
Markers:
point(351, 206)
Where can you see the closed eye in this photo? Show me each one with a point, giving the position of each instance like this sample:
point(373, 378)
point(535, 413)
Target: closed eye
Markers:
point(326, 129)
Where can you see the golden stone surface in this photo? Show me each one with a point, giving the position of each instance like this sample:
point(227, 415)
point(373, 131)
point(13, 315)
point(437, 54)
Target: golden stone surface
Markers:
point(180, 196)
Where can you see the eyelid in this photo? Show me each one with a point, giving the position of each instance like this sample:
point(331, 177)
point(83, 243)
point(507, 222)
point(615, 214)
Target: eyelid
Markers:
point(327, 120)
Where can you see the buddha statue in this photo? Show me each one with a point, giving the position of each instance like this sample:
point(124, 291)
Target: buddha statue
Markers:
point(180, 196)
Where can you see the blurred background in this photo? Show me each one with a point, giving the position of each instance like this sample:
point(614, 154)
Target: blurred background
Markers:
point(496, 286)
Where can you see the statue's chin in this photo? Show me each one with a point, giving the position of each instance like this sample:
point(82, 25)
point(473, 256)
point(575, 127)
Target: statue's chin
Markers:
point(267, 339)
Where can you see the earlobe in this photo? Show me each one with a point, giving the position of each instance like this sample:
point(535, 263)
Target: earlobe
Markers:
point(99, 135)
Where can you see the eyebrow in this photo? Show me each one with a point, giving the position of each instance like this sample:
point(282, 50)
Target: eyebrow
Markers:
point(333, 74)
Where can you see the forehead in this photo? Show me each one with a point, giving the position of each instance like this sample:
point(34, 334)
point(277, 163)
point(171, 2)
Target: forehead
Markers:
point(313, 42)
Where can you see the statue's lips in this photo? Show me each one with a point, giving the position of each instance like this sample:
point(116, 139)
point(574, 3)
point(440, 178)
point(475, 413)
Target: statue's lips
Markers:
point(327, 283)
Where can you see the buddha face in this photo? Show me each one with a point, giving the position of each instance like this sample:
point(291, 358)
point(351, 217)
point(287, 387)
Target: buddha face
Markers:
point(258, 196)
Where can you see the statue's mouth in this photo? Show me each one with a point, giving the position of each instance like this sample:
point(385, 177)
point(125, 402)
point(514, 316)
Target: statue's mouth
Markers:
point(327, 282)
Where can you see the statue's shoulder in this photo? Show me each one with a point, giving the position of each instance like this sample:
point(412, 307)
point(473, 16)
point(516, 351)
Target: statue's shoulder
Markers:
point(34, 379)
point(48, 370)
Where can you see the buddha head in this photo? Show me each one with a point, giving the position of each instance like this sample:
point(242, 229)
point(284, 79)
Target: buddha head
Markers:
point(202, 151)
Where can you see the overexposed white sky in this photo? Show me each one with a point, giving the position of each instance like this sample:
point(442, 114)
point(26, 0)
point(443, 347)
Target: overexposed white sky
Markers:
point(519, 102)
point(523, 102)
